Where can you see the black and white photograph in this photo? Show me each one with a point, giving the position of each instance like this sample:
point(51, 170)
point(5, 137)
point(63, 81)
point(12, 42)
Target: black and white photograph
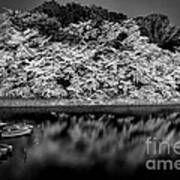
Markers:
point(89, 89)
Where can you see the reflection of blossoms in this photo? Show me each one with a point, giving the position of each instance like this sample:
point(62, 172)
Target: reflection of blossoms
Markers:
point(107, 142)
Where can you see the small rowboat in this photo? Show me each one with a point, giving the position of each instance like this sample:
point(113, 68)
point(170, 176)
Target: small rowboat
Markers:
point(2, 124)
point(6, 149)
point(16, 131)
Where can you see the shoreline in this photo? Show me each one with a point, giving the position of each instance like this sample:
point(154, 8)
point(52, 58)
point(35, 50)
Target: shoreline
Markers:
point(52, 105)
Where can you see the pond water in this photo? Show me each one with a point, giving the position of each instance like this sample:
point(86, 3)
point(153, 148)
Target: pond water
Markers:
point(9, 166)
point(88, 146)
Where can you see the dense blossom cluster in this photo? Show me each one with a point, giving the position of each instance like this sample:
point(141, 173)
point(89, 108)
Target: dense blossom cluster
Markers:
point(94, 60)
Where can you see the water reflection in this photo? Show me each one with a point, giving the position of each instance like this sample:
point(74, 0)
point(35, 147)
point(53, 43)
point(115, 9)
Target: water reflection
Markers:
point(89, 145)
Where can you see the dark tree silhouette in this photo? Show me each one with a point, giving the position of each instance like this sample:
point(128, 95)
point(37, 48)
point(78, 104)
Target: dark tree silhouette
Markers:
point(73, 12)
point(159, 30)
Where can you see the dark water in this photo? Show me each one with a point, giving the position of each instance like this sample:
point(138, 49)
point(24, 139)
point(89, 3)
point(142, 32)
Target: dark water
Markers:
point(88, 146)
point(11, 166)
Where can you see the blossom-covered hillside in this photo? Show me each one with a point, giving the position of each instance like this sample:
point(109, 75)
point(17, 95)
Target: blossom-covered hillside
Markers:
point(91, 60)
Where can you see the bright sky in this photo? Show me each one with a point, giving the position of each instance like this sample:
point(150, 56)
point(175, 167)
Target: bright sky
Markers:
point(130, 7)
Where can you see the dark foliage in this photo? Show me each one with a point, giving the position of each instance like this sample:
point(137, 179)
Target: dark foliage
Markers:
point(47, 26)
point(159, 30)
point(73, 12)
point(122, 36)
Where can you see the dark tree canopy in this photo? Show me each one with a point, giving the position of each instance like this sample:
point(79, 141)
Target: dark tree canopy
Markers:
point(159, 30)
point(73, 12)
